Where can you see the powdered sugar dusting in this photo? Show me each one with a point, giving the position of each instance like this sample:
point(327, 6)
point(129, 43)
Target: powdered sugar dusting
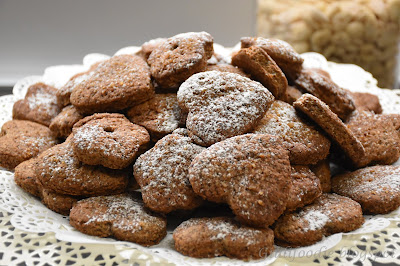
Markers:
point(316, 220)
point(43, 101)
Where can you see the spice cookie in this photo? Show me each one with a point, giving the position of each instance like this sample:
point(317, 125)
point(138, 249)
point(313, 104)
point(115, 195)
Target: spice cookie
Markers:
point(262, 68)
point(21, 140)
point(327, 215)
point(376, 188)
point(222, 236)
point(332, 125)
point(122, 216)
point(117, 83)
point(281, 52)
point(40, 105)
point(159, 115)
point(221, 105)
point(251, 173)
point(149, 46)
point(179, 57)
point(60, 171)
point(305, 187)
point(162, 174)
point(323, 171)
point(226, 68)
point(366, 102)
point(62, 124)
point(379, 137)
point(314, 82)
point(306, 144)
point(110, 140)
point(292, 94)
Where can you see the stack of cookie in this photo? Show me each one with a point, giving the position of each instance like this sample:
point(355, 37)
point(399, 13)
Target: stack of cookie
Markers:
point(185, 128)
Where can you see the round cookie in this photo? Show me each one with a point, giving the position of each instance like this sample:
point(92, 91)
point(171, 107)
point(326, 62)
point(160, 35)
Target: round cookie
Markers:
point(159, 115)
point(262, 68)
point(58, 203)
point(21, 140)
point(323, 171)
point(59, 170)
point(320, 113)
point(222, 236)
point(117, 83)
point(306, 144)
point(40, 105)
point(221, 105)
point(122, 216)
point(327, 215)
point(179, 57)
point(162, 174)
point(62, 124)
point(251, 173)
point(110, 140)
point(376, 188)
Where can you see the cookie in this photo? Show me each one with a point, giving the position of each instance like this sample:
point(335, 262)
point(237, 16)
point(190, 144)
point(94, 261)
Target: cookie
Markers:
point(251, 173)
point(281, 52)
point(379, 137)
point(376, 188)
point(221, 105)
point(162, 173)
point(305, 142)
point(222, 236)
point(159, 115)
point(179, 57)
point(117, 83)
point(62, 124)
point(59, 170)
point(291, 95)
point(364, 101)
point(39, 105)
point(21, 140)
point(323, 171)
point(305, 187)
point(148, 47)
point(322, 87)
point(121, 216)
point(327, 215)
point(110, 140)
point(321, 114)
point(226, 68)
point(262, 68)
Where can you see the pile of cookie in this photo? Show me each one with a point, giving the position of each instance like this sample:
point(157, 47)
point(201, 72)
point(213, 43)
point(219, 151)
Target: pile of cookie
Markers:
point(236, 145)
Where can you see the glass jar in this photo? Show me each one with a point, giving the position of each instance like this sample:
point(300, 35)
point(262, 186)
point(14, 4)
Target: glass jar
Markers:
point(362, 32)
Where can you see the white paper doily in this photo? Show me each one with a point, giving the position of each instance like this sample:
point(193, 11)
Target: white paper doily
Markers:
point(28, 213)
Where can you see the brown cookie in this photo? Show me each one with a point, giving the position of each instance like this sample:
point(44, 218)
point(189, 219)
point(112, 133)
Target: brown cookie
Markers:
point(251, 173)
point(376, 188)
point(305, 187)
point(162, 173)
point(366, 102)
point(379, 137)
point(262, 68)
point(332, 125)
point(110, 140)
point(62, 124)
point(306, 144)
point(314, 82)
point(59, 170)
point(122, 216)
point(21, 140)
point(327, 215)
point(323, 171)
point(159, 115)
point(179, 57)
point(117, 83)
point(281, 52)
point(40, 105)
point(292, 94)
point(58, 203)
point(226, 68)
point(149, 46)
point(222, 236)
point(221, 105)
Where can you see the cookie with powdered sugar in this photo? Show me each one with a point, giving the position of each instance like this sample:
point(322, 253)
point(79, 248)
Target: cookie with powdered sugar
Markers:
point(222, 236)
point(327, 215)
point(121, 216)
point(221, 105)
point(21, 140)
point(162, 174)
point(376, 188)
point(148, 47)
point(251, 173)
point(62, 124)
point(40, 104)
point(110, 140)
